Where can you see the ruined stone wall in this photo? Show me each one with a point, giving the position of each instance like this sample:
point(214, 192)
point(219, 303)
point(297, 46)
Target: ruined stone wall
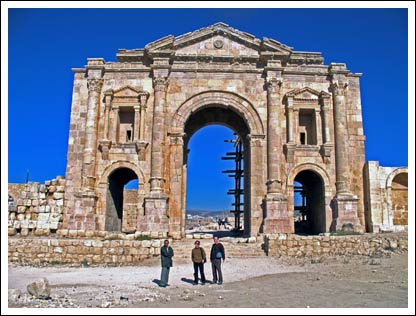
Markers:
point(386, 197)
point(37, 207)
point(82, 251)
point(282, 245)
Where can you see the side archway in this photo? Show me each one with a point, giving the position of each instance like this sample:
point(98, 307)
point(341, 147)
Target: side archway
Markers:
point(312, 212)
point(120, 205)
point(397, 197)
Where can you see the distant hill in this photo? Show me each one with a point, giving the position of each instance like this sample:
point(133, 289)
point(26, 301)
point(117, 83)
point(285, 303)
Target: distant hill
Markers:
point(207, 213)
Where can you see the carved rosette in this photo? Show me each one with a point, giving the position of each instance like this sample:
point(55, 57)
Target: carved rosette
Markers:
point(274, 84)
point(160, 83)
point(94, 84)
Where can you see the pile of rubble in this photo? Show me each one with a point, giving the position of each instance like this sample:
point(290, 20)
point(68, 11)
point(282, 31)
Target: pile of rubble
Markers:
point(37, 209)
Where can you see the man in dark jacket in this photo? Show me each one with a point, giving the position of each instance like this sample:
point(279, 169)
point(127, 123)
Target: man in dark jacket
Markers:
point(166, 254)
point(217, 253)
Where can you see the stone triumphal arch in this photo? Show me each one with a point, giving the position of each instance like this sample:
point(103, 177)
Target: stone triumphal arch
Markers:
point(299, 119)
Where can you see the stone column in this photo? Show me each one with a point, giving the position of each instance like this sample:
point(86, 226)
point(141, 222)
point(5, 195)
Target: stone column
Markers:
point(90, 149)
point(156, 203)
point(136, 123)
point(108, 98)
point(177, 210)
point(158, 135)
point(277, 218)
point(318, 123)
point(274, 145)
point(114, 123)
point(326, 147)
point(345, 202)
point(290, 121)
point(143, 100)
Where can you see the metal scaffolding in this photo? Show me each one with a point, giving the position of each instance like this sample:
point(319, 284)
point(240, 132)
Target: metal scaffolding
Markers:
point(237, 174)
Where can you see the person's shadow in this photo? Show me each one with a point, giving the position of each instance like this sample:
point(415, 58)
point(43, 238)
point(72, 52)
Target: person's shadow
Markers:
point(191, 281)
point(156, 281)
point(186, 280)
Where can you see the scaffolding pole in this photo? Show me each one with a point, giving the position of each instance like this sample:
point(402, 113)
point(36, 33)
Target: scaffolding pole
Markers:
point(237, 174)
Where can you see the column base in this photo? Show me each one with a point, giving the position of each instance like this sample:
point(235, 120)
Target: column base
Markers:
point(346, 206)
point(155, 210)
point(277, 218)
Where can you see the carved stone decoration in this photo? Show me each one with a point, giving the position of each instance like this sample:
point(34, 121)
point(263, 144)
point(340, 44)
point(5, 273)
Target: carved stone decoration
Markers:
point(94, 84)
point(218, 44)
point(105, 146)
point(274, 84)
point(177, 138)
point(143, 97)
point(160, 83)
point(326, 152)
point(289, 150)
point(141, 149)
point(337, 87)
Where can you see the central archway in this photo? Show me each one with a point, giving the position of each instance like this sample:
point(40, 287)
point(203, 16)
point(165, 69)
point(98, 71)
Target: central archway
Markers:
point(236, 113)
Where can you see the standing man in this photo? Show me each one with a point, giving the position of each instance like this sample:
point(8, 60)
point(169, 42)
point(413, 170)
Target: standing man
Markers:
point(198, 258)
point(166, 254)
point(217, 253)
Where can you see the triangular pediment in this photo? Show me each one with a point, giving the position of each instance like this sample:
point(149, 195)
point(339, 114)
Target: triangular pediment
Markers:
point(217, 39)
point(126, 92)
point(307, 94)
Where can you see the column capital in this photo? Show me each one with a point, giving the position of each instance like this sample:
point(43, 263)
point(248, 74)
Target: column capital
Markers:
point(94, 84)
point(143, 96)
point(273, 84)
point(338, 87)
point(177, 138)
point(160, 83)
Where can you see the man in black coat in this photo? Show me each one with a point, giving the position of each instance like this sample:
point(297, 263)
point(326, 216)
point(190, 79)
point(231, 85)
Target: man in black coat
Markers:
point(166, 254)
point(217, 253)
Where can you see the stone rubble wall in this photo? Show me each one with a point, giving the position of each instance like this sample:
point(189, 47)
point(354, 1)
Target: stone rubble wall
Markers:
point(111, 251)
point(285, 245)
point(36, 208)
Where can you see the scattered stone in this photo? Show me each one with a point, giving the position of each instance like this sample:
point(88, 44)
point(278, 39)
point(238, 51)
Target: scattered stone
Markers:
point(14, 294)
point(40, 289)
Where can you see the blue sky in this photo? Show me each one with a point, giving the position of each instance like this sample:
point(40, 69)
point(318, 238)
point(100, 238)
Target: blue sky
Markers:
point(44, 44)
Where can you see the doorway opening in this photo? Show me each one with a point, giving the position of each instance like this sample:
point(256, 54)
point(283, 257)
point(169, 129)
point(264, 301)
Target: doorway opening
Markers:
point(309, 203)
point(121, 200)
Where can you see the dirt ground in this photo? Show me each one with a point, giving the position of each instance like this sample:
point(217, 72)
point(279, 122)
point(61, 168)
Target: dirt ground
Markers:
point(342, 282)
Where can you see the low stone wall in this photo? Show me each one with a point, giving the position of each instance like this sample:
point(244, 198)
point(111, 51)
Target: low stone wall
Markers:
point(38, 251)
point(115, 251)
point(286, 245)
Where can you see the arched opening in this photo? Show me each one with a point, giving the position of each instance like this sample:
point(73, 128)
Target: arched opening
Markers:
point(121, 200)
point(399, 198)
point(208, 181)
point(309, 203)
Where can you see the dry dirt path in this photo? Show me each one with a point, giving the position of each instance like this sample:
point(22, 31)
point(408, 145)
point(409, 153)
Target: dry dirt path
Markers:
point(248, 282)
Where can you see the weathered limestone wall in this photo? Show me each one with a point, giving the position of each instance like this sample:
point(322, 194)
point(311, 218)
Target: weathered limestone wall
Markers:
point(112, 250)
point(37, 208)
point(386, 197)
point(81, 251)
point(282, 245)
